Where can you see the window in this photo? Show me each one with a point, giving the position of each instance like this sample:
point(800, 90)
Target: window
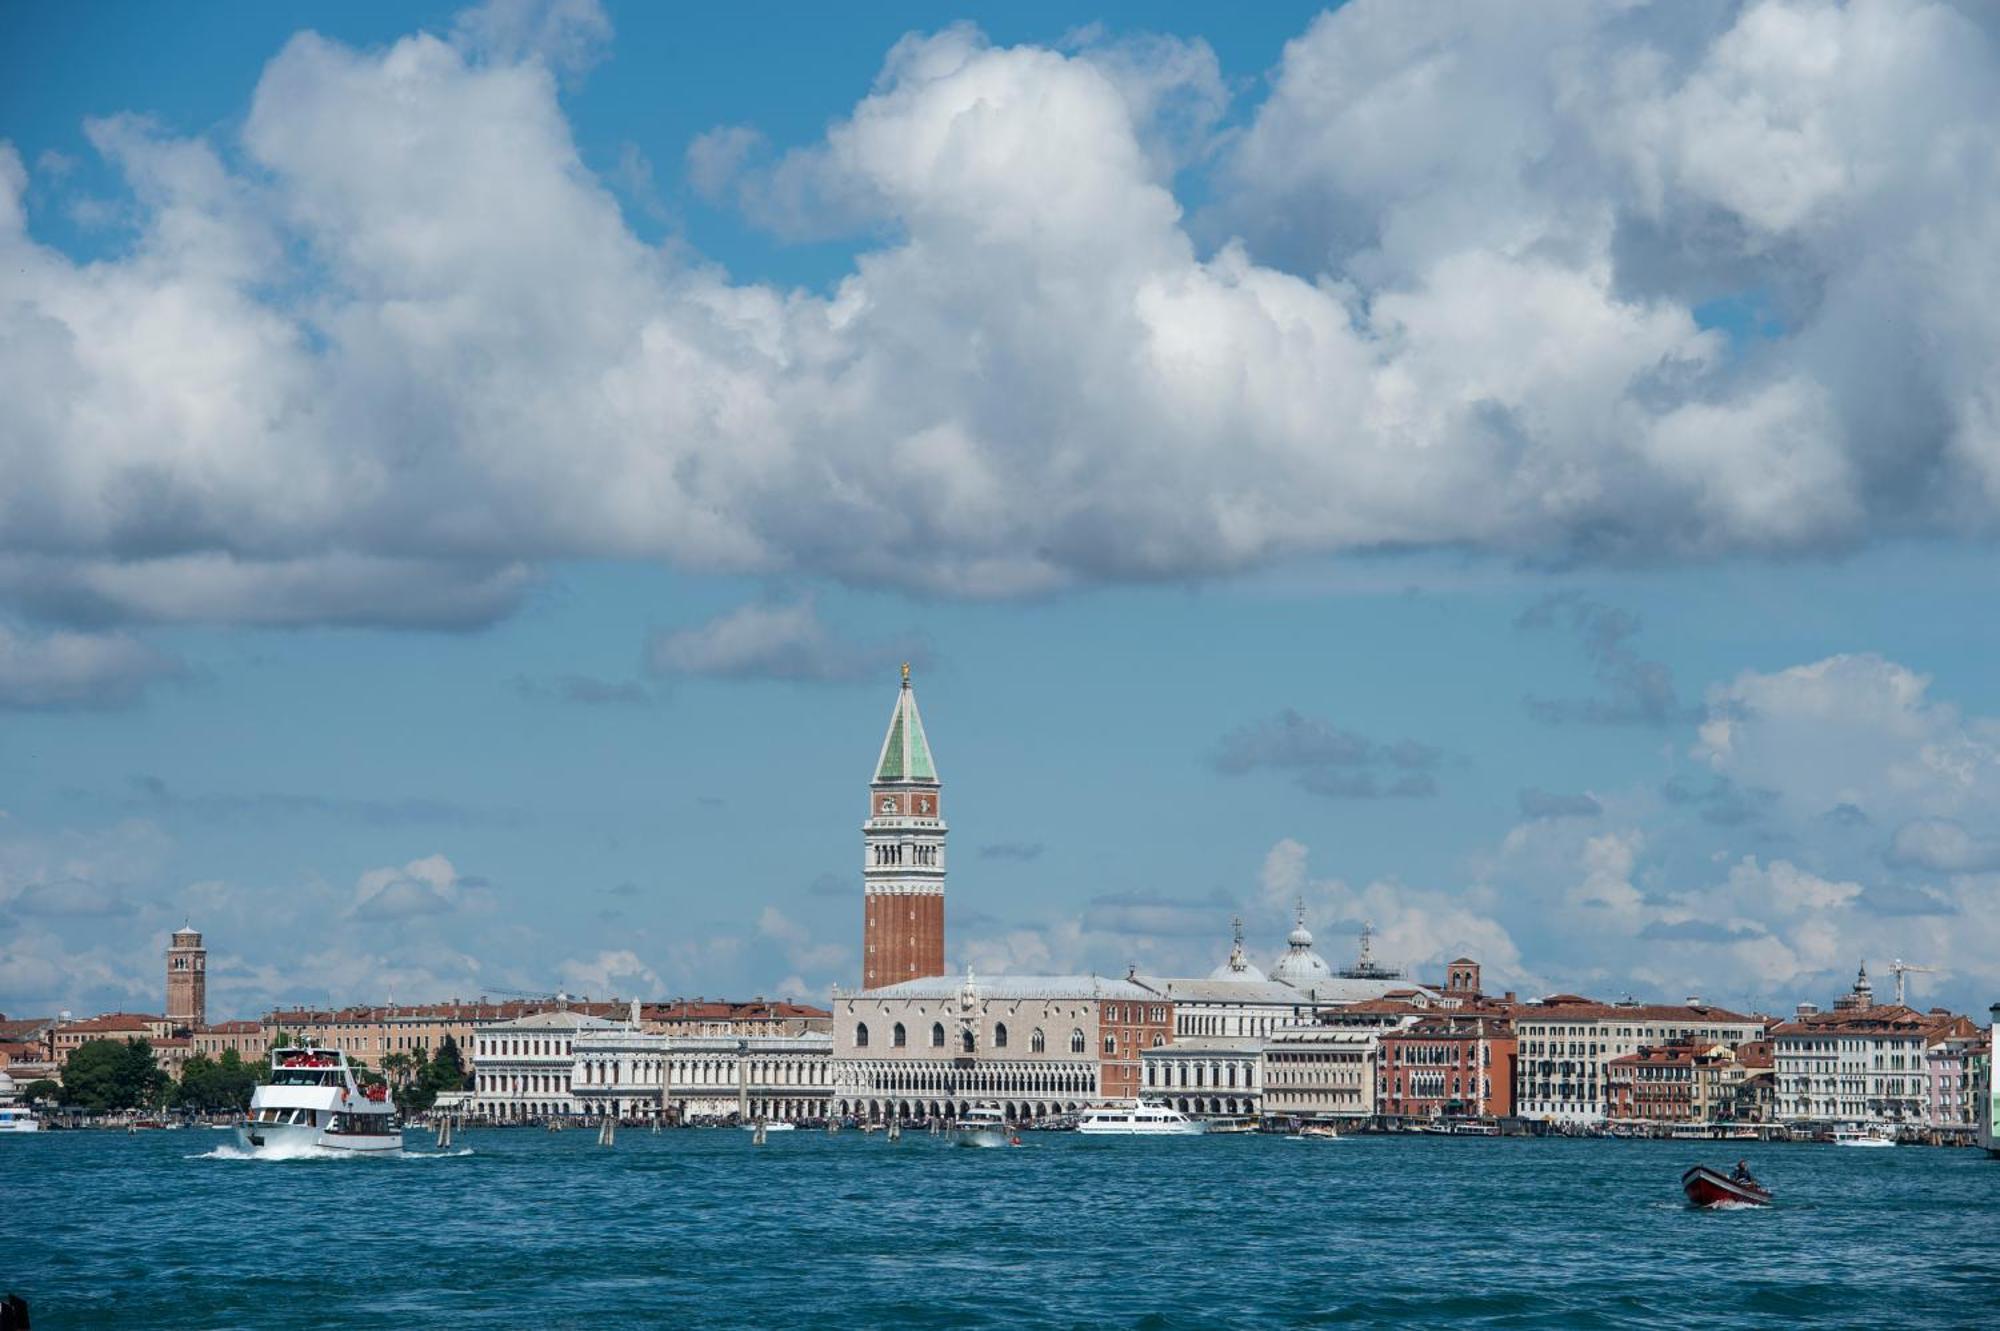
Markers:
point(1110, 1044)
point(965, 1040)
point(1038, 1042)
point(899, 1037)
point(860, 1035)
point(1076, 1041)
point(937, 1035)
point(1000, 1035)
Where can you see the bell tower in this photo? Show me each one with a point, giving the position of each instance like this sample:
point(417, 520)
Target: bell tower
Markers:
point(902, 865)
point(187, 980)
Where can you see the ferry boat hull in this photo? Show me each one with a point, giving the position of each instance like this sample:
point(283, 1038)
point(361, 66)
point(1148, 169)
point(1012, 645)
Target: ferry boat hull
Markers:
point(1138, 1120)
point(281, 1140)
point(1708, 1188)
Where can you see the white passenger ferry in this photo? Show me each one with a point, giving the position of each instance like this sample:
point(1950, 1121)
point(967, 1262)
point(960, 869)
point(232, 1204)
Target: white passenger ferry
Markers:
point(1138, 1120)
point(1858, 1136)
point(313, 1104)
point(982, 1125)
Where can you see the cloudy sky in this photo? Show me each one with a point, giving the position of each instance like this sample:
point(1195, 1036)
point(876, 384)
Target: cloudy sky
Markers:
point(1522, 476)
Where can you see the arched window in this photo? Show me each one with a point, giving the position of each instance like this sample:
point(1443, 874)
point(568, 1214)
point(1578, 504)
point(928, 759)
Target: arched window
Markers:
point(937, 1035)
point(1076, 1041)
point(1000, 1035)
point(1038, 1043)
point(1159, 1041)
point(965, 1040)
point(899, 1037)
point(860, 1035)
point(1110, 1044)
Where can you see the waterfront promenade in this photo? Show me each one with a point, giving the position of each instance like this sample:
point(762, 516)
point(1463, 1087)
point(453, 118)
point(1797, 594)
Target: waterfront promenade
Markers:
point(701, 1228)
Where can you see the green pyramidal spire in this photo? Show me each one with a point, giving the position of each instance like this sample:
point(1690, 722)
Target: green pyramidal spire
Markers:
point(906, 754)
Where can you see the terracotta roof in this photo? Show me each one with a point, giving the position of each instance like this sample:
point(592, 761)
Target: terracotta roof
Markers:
point(1882, 1019)
point(112, 1021)
point(22, 1027)
point(232, 1028)
point(1551, 1010)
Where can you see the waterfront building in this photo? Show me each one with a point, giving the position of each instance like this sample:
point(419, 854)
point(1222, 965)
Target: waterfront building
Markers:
point(1951, 1106)
point(1038, 1045)
point(187, 980)
point(525, 1068)
point(1757, 1091)
point(1862, 1065)
point(69, 1036)
point(628, 1072)
point(903, 865)
point(1682, 1081)
point(1566, 1042)
point(1315, 1072)
point(247, 1038)
point(1986, 1085)
point(1206, 1074)
point(1457, 1062)
point(757, 1017)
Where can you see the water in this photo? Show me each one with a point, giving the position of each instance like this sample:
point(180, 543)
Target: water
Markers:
point(701, 1228)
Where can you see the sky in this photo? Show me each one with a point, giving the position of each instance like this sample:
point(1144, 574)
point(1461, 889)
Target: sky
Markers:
point(1525, 480)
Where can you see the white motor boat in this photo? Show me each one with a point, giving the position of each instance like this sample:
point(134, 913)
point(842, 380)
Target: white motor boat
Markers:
point(313, 1105)
point(18, 1118)
point(982, 1125)
point(770, 1125)
point(1862, 1137)
point(1138, 1120)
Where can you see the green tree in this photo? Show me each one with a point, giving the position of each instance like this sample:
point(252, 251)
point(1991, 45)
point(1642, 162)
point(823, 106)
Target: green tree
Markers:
point(112, 1074)
point(41, 1089)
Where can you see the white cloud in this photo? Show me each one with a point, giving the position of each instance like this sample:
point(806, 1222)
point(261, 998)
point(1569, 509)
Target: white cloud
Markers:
point(77, 670)
point(773, 641)
point(415, 328)
point(610, 974)
point(429, 886)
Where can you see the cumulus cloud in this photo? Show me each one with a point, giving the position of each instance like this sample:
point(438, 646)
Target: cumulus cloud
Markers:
point(429, 886)
point(64, 670)
point(1323, 759)
point(611, 973)
point(1944, 845)
point(774, 641)
point(1451, 292)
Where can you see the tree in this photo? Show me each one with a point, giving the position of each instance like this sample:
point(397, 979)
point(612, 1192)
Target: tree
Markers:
point(432, 1074)
point(112, 1074)
point(210, 1085)
point(41, 1089)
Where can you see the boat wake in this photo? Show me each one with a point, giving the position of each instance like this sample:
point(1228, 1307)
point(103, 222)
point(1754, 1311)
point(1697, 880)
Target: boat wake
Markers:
point(285, 1153)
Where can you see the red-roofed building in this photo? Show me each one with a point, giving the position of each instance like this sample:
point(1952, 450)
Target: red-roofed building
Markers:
point(1566, 1043)
point(1452, 1064)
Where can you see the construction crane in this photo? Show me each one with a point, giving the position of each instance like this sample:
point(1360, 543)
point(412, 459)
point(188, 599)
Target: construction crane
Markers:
point(1901, 969)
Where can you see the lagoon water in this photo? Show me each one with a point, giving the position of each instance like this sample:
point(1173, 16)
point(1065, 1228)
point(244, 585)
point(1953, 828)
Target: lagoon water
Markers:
point(701, 1228)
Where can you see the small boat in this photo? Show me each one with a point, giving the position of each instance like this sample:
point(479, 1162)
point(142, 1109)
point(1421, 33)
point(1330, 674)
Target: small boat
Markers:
point(770, 1125)
point(1862, 1137)
point(1707, 1187)
point(1231, 1127)
point(1317, 1132)
point(1138, 1120)
point(982, 1125)
point(1475, 1129)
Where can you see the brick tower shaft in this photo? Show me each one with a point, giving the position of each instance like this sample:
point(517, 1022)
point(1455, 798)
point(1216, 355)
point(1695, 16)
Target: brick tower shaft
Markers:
point(902, 867)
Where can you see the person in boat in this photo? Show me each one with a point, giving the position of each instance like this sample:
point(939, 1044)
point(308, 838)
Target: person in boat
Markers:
point(1743, 1174)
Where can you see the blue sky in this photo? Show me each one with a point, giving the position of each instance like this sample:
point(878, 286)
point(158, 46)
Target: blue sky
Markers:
point(473, 491)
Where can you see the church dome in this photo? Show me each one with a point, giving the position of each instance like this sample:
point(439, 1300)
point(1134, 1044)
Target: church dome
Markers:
point(1238, 966)
point(1301, 967)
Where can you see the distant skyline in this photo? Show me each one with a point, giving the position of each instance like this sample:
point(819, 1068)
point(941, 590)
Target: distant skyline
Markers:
point(470, 478)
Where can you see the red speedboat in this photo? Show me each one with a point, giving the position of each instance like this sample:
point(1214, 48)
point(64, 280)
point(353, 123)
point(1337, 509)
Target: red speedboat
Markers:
point(1712, 1187)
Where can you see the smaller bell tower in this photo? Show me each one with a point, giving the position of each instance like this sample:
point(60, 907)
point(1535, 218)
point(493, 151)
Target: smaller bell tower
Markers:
point(187, 980)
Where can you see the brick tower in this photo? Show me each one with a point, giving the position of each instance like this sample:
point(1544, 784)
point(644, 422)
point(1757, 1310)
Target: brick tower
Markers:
point(187, 980)
point(902, 868)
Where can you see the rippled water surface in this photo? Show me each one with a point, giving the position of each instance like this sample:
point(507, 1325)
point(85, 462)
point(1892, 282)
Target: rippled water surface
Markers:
point(701, 1228)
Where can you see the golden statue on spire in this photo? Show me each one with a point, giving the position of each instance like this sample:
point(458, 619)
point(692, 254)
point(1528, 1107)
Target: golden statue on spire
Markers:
point(906, 673)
